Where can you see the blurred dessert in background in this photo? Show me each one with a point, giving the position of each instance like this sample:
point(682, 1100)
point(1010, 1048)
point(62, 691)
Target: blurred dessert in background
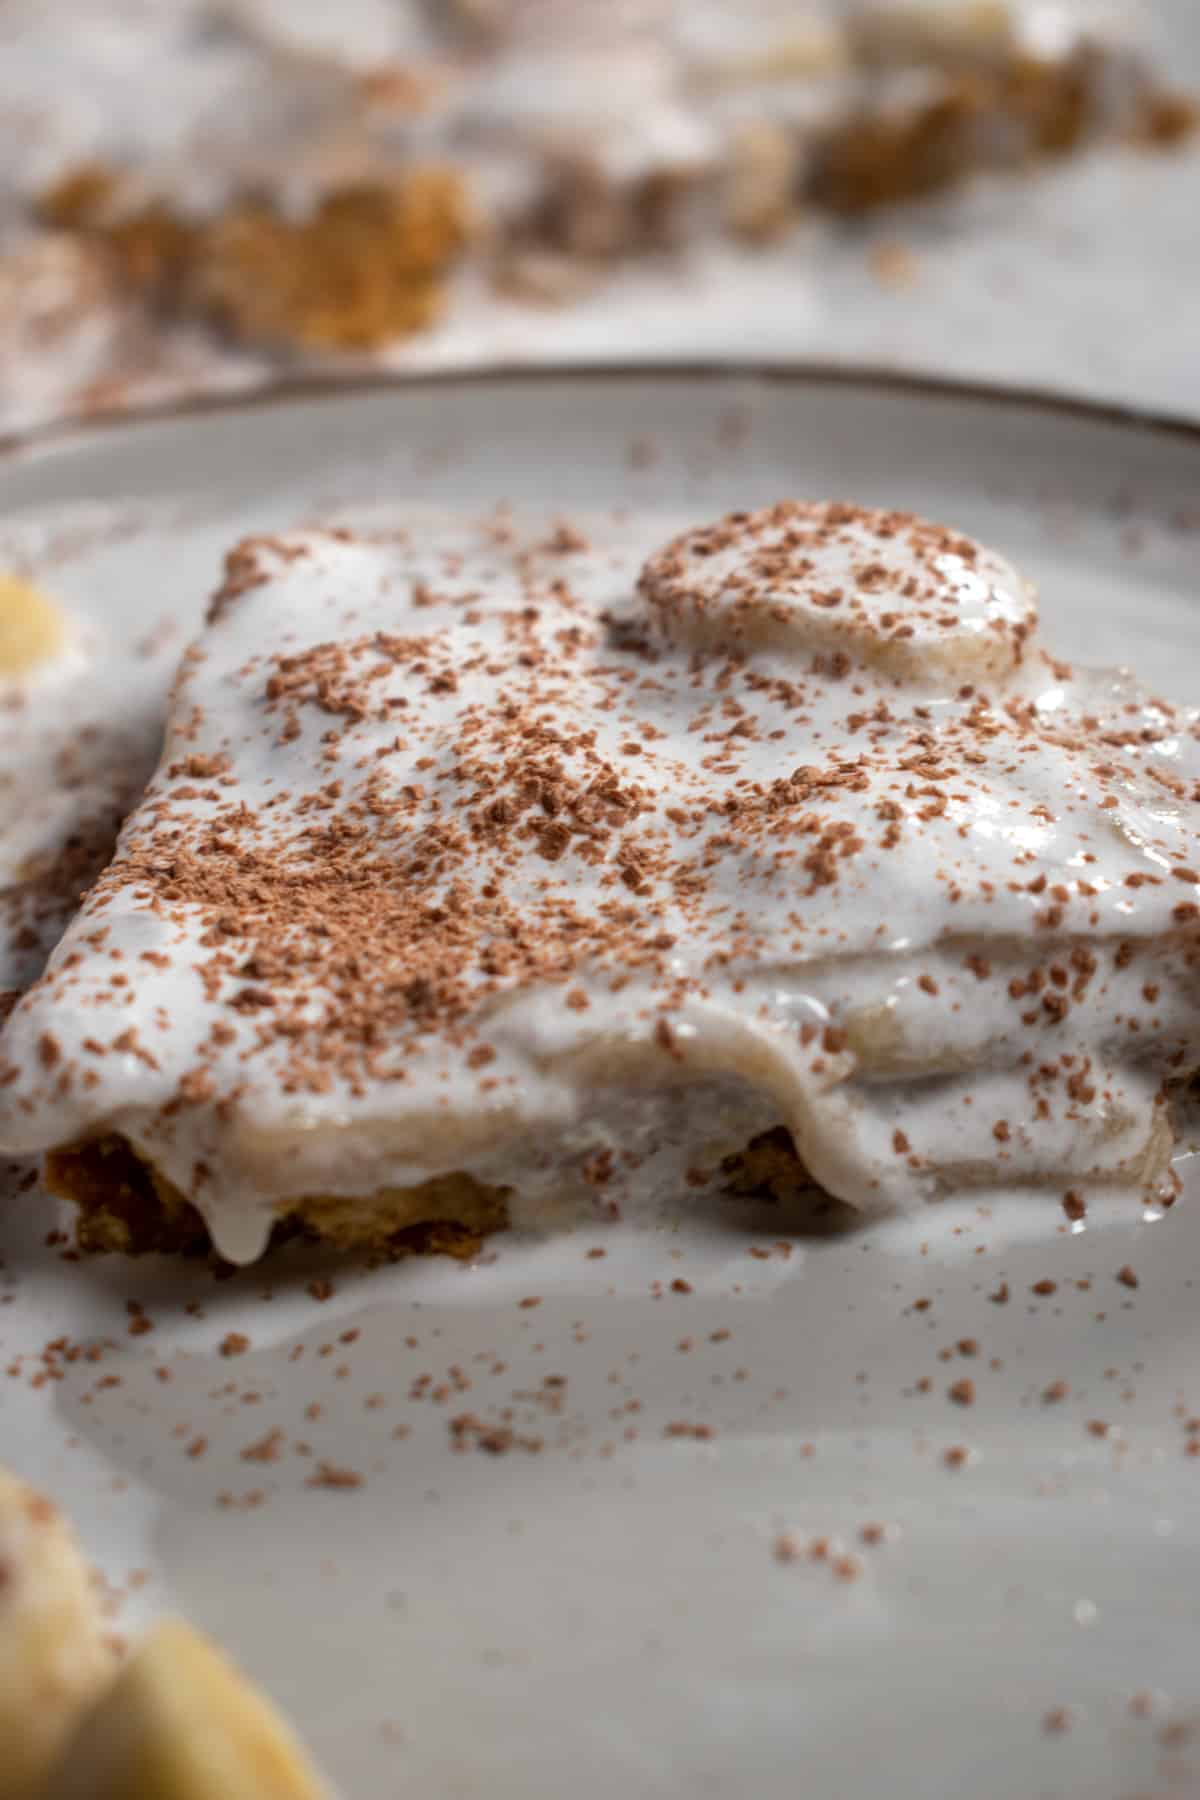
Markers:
point(244, 173)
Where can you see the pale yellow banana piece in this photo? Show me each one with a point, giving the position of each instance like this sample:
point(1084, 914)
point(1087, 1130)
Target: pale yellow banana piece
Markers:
point(55, 1656)
point(32, 629)
point(181, 1723)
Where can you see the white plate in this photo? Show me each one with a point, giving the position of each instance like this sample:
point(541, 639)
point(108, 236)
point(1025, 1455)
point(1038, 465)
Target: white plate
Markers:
point(610, 1613)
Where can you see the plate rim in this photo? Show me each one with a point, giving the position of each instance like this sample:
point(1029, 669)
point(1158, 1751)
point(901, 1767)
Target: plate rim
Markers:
point(62, 435)
point(257, 1634)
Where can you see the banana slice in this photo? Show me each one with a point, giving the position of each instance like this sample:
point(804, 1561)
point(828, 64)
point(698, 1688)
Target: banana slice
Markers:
point(181, 1723)
point(32, 629)
point(885, 590)
point(54, 1654)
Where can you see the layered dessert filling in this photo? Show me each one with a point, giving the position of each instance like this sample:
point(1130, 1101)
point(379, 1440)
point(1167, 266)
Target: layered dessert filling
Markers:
point(519, 869)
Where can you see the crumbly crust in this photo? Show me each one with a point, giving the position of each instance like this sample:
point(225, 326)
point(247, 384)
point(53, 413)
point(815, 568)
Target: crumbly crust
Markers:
point(127, 1206)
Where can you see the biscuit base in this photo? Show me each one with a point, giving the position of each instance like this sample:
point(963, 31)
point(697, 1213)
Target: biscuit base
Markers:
point(126, 1206)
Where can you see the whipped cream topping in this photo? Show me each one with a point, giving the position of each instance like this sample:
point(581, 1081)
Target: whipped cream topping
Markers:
point(529, 850)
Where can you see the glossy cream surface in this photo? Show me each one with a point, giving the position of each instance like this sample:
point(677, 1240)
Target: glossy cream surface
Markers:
point(572, 854)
